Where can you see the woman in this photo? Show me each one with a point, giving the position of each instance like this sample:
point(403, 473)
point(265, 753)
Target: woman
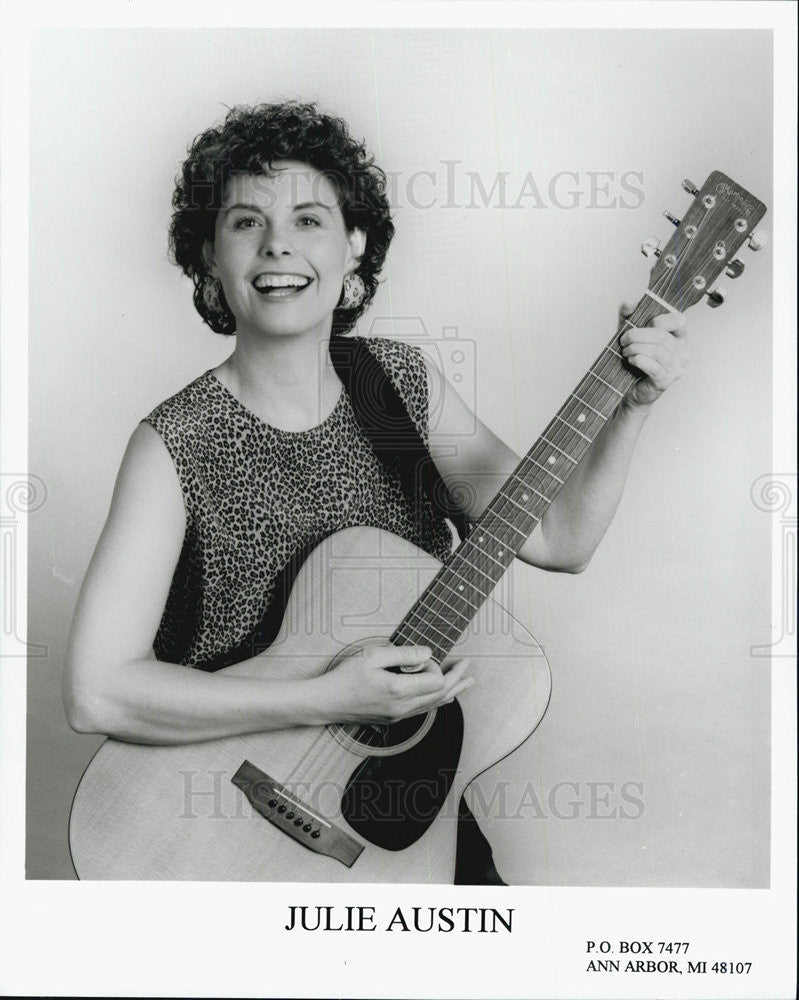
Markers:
point(282, 222)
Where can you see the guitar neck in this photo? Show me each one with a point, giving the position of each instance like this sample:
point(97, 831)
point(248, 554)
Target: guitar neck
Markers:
point(454, 596)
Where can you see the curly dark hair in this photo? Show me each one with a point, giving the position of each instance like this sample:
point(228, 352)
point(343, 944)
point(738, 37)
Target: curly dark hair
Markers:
point(249, 140)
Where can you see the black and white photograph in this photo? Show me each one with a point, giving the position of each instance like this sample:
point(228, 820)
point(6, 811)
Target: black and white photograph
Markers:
point(401, 549)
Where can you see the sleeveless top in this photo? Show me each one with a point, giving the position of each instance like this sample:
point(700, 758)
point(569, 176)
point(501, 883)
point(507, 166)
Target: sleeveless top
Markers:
point(258, 498)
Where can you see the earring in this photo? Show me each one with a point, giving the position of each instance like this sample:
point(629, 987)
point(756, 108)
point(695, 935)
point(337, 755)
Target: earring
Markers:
point(353, 292)
point(211, 291)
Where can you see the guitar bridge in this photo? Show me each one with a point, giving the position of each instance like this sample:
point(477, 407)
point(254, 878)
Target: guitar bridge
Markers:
point(288, 813)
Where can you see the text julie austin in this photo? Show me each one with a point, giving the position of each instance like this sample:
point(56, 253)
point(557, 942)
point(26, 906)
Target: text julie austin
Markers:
point(407, 919)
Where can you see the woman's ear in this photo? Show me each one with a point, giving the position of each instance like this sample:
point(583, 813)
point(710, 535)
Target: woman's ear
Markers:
point(209, 257)
point(357, 246)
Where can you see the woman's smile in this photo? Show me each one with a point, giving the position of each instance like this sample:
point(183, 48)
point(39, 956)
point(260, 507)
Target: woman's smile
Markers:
point(277, 285)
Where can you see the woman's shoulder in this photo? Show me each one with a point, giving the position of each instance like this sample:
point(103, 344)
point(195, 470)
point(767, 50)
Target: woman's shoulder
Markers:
point(404, 362)
point(184, 408)
point(389, 349)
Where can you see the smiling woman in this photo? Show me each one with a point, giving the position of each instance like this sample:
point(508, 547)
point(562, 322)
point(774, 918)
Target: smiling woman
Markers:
point(281, 238)
point(180, 634)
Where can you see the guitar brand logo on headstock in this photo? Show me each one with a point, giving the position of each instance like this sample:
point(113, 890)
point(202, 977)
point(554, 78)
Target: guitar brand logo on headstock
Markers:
point(735, 196)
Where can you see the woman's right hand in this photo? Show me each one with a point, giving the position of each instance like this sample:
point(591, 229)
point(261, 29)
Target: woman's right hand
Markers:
point(364, 689)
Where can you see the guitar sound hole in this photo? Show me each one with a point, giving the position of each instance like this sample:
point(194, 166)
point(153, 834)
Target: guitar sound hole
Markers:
point(390, 800)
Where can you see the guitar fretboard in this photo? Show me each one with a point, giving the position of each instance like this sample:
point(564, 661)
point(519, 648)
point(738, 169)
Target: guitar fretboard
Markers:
point(452, 599)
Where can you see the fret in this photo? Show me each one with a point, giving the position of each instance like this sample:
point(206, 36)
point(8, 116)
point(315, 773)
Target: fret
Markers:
point(460, 614)
point(480, 532)
point(614, 351)
point(501, 518)
point(458, 593)
point(583, 403)
point(611, 387)
point(549, 472)
point(407, 640)
point(527, 486)
point(475, 566)
point(521, 506)
point(571, 458)
point(484, 552)
point(463, 581)
point(583, 436)
point(426, 624)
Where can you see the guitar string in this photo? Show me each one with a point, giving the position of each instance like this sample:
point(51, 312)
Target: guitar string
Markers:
point(505, 506)
point(374, 739)
point(559, 436)
point(502, 514)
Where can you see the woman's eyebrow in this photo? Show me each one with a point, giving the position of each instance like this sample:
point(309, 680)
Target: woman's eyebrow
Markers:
point(312, 204)
point(244, 205)
point(258, 208)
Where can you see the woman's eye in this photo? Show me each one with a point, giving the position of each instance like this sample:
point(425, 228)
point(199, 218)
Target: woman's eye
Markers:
point(246, 222)
point(308, 220)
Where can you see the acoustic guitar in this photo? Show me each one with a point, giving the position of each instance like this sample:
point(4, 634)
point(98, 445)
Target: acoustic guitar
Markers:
point(374, 803)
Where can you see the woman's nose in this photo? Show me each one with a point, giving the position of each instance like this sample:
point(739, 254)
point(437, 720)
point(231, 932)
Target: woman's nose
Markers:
point(275, 242)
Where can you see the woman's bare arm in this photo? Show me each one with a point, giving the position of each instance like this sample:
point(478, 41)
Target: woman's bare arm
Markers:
point(113, 683)
point(469, 454)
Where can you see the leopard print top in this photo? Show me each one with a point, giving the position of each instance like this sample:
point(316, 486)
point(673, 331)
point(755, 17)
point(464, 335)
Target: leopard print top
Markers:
point(257, 498)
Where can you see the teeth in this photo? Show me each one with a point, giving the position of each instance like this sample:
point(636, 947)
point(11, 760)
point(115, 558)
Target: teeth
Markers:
point(281, 281)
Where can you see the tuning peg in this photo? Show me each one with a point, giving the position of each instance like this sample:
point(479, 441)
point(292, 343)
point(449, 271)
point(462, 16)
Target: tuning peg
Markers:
point(672, 218)
point(650, 246)
point(735, 268)
point(757, 239)
point(690, 187)
point(716, 297)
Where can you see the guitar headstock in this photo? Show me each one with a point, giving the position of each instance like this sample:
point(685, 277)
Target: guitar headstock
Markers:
point(721, 218)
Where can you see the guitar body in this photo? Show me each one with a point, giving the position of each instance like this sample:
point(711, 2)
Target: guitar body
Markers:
point(155, 812)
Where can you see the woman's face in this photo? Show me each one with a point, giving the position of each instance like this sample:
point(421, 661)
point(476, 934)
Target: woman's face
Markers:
point(281, 250)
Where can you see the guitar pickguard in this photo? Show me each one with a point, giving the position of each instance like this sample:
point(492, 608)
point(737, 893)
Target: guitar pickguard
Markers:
point(392, 800)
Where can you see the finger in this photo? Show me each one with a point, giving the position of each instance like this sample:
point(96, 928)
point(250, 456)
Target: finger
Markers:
point(649, 367)
point(663, 355)
point(399, 656)
point(675, 323)
point(464, 685)
point(423, 704)
point(456, 667)
point(626, 308)
point(646, 335)
point(428, 683)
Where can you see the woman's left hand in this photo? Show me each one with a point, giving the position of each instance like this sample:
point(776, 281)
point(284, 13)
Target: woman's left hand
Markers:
point(658, 351)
